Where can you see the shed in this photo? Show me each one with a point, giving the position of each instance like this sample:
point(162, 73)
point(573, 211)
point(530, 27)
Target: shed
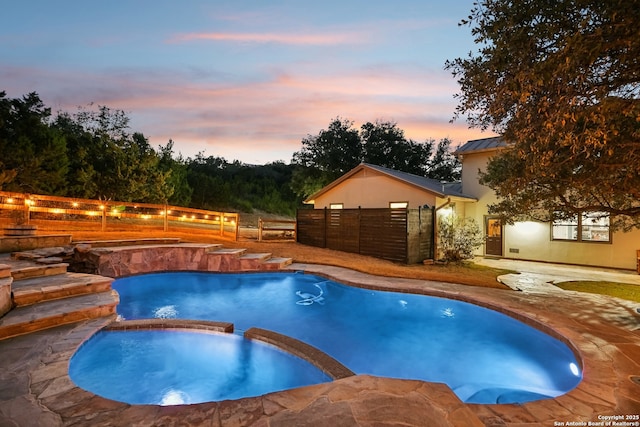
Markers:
point(377, 211)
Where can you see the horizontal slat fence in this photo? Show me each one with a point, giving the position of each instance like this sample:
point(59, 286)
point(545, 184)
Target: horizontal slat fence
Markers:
point(311, 227)
point(101, 215)
point(381, 233)
point(384, 234)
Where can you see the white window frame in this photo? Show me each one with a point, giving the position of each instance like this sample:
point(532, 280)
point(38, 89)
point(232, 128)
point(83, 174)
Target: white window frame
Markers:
point(589, 227)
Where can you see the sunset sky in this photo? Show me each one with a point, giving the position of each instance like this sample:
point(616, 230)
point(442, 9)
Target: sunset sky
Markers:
point(243, 80)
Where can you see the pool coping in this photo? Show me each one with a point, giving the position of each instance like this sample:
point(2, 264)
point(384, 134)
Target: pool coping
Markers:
point(311, 354)
point(601, 329)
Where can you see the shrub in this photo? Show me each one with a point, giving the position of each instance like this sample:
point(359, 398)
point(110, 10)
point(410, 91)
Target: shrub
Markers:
point(458, 237)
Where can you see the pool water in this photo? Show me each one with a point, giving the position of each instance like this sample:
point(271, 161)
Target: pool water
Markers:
point(482, 355)
point(170, 367)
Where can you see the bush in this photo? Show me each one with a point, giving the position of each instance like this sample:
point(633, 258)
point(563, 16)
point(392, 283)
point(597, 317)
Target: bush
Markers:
point(458, 237)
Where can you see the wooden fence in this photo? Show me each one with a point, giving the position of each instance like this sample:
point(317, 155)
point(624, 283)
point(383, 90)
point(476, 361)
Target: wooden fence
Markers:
point(286, 228)
point(101, 215)
point(401, 235)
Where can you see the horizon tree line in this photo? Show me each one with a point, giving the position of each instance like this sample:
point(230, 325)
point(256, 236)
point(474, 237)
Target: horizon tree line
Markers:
point(93, 153)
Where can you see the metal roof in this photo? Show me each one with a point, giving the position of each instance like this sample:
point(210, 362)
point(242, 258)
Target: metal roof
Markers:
point(440, 189)
point(455, 189)
point(479, 145)
point(419, 181)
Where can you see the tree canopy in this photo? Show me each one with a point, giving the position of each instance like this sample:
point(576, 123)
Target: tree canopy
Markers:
point(93, 153)
point(560, 80)
point(34, 157)
point(341, 147)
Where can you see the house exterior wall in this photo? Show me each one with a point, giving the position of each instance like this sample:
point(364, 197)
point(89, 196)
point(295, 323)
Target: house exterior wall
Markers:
point(532, 240)
point(371, 189)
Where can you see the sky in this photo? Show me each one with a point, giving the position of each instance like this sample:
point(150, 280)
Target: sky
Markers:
point(246, 80)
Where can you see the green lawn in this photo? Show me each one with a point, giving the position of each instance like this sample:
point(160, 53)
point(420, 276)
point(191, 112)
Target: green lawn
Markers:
point(614, 289)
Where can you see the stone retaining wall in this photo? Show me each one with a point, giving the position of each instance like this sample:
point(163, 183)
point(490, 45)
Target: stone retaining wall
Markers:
point(25, 243)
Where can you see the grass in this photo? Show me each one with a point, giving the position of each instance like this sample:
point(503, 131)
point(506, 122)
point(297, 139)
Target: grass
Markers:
point(620, 290)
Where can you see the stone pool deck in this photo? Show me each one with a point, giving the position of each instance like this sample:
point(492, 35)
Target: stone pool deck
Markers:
point(35, 389)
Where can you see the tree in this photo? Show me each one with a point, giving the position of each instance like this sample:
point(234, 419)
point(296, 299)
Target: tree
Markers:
point(81, 152)
point(177, 170)
point(444, 166)
point(111, 163)
point(384, 144)
point(326, 156)
point(560, 81)
point(335, 151)
point(34, 158)
point(210, 191)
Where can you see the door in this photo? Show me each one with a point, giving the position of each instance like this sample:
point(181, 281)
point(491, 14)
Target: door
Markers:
point(493, 244)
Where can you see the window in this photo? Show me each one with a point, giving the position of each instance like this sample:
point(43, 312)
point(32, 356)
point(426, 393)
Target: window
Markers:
point(336, 206)
point(595, 227)
point(588, 227)
point(398, 205)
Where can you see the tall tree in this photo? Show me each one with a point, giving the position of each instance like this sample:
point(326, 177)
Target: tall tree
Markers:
point(560, 80)
point(443, 165)
point(81, 151)
point(121, 166)
point(384, 144)
point(34, 157)
point(177, 175)
point(333, 152)
point(210, 191)
point(326, 156)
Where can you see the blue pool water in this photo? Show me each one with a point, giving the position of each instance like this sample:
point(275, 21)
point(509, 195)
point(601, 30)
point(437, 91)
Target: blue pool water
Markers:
point(171, 367)
point(483, 355)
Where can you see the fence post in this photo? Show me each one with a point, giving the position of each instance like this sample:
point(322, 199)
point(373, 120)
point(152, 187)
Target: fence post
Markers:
point(237, 226)
point(222, 224)
point(165, 220)
point(27, 209)
point(259, 229)
point(295, 229)
point(104, 217)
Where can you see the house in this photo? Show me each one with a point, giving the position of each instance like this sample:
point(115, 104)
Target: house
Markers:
point(377, 211)
point(370, 186)
point(588, 241)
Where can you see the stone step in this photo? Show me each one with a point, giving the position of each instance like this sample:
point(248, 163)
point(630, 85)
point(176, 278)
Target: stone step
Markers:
point(33, 270)
point(129, 242)
point(5, 270)
point(36, 290)
point(276, 263)
point(10, 244)
point(237, 252)
point(253, 261)
point(5, 289)
point(49, 314)
point(39, 254)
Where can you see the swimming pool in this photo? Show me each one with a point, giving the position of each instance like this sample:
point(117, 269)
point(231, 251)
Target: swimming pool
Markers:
point(482, 355)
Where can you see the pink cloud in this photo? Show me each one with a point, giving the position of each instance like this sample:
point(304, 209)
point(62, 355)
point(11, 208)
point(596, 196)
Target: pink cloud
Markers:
point(255, 122)
point(287, 39)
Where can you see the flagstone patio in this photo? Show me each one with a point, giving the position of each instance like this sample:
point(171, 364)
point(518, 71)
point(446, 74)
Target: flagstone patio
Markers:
point(35, 388)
